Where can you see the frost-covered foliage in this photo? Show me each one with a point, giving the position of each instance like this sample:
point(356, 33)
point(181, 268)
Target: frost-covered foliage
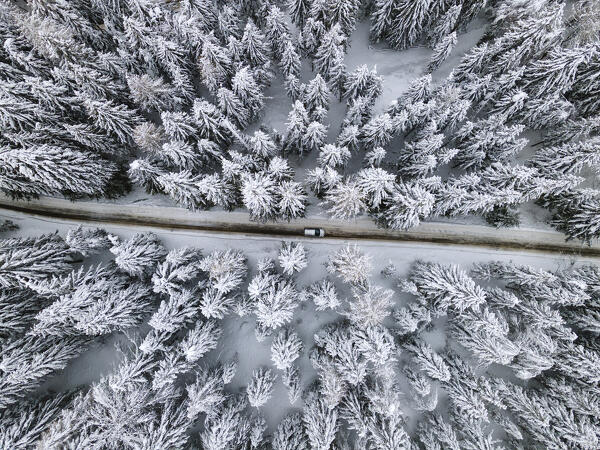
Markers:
point(292, 257)
point(442, 349)
point(170, 96)
point(273, 298)
point(285, 349)
point(260, 388)
point(350, 264)
point(139, 255)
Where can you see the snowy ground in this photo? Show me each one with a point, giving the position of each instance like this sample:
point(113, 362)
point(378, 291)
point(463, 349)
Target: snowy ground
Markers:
point(238, 334)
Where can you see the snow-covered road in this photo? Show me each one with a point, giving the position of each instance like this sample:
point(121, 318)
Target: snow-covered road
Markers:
point(166, 217)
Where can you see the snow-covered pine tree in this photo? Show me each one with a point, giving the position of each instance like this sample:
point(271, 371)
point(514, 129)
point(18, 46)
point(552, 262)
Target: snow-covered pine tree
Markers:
point(226, 269)
point(29, 260)
point(445, 25)
point(359, 111)
point(330, 47)
point(574, 130)
point(445, 287)
point(206, 394)
point(351, 265)
point(183, 188)
point(285, 349)
point(344, 12)
point(149, 137)
point(116, 119)
point(178, 125)
point(289, 61)
point(487, 141)
point(316, 94)
point(349, 137)
point(576, 213)
point(370, 306)
point(89, 241)
point(290, 434)
point(378, 131)
point(292, 258)
point(377, 185)
point(363, 82)
point(291, 380)
point(338, 75)
point(410, 19)
point(179, 155)
point(321, 179)
point(315, 135)
point(568, 158)
point(139, 255)
point(46, 169)
point(98, 308)
point(320, 422)
point(298, 10)
point(412, 318)
point(260, 388)
point(292, 200)
point(147, 174)
point(280, 169)
point(246, 88)
point(180, 266)
point(275, 299)
point(98, 142)
point(232, 107)
point(429, 361)
point(215, 64)
point(311, 36)
point(375, 157)
point(332, 155)
point(345, 200)
point(555, 72)
point(151, 94)
point(28, 360)
point(293, 88)
point(485, 334)
point(277, 31)
point(298, 121)
point(228, 21)
point(229, 428)
point(24, 423)
point(259, 194)
point(261, 144)
point(441, 51)
point(180, 309)
point(180, 358)
point(382, 15)
point(209, 121)
point(254, 45)
point(323, 294)
point(18, 308)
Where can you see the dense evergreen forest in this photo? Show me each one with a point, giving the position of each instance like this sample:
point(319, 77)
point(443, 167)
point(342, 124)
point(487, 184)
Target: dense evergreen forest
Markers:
point(496, 355)
point(99, 96)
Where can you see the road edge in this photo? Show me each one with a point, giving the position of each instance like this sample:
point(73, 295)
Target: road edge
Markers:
point(238, 222)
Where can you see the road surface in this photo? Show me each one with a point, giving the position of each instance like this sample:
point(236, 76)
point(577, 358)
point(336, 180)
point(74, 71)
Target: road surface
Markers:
point(238, 222)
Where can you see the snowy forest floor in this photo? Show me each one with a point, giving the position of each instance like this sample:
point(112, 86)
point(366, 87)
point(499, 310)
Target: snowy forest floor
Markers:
point(525, 238)
point(238, 337)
